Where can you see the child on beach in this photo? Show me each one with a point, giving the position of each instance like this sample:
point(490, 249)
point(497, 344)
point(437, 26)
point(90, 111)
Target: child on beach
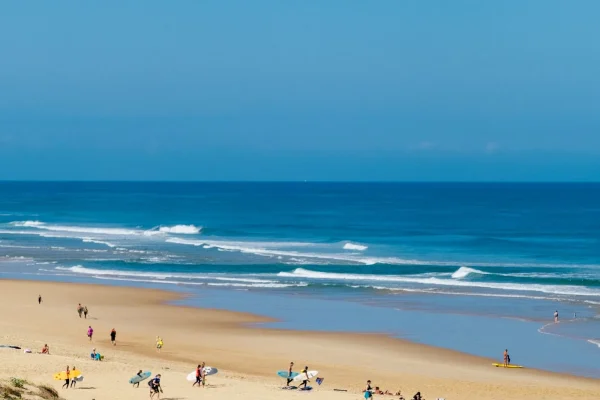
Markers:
point(90, 332)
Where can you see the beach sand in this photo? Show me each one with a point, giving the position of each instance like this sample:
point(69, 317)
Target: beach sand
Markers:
point(247, 357)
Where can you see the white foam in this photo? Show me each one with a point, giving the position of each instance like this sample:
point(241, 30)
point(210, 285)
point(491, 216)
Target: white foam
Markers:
point(596, 342)
point(354, 246)
point(90, 240)
point(181, 229)
point(552, 289)
point(28, 224)
point(464, 272)
point(79, 269)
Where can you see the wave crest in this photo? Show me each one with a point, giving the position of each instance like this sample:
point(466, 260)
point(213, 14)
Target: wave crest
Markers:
point(354, 246)
point(181, 229)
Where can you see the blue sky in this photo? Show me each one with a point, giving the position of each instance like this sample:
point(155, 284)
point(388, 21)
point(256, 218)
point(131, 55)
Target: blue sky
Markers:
point(316, 90)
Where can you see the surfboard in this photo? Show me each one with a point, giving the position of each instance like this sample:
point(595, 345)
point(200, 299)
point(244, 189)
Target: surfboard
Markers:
point(61, 376)
point(509, 366)
point(207, 371)
point(285, 374)
point(79, 378)
point(138, 378)
point(300, 377)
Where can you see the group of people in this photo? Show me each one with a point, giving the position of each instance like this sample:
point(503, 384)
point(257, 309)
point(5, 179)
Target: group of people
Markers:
point(369, 392)
point(200, 376)
point(70, 380)
point(304, 372)
point(80, 310)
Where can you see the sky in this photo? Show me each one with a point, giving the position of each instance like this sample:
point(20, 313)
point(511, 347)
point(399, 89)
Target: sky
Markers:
point(348, 90)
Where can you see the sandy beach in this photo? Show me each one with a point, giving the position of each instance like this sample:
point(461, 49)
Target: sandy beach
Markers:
point(247, 356)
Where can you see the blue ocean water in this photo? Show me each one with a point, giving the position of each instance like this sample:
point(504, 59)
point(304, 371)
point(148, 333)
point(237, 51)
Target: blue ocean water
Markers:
point(503, 251)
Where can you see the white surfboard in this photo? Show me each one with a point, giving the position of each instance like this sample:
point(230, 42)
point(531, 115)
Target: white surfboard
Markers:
point(207, 371)
point(302, 376)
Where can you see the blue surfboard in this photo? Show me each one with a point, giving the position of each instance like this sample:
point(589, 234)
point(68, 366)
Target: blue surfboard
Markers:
point(285, 374)
point(138, 378)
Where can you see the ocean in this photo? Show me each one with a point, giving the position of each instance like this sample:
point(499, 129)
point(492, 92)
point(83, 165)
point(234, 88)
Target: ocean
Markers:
point(469, 266)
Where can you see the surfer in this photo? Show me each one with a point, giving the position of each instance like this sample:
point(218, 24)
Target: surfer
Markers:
point(155, 388)
point(73, 381)
point(290, 372)
point(141, 377)
point(198, 376)
point(113, 337)
point(306, 379)
point(40, 299)
point(556, 317)
point(506, 358)
point(90, 332)
point(67, 379)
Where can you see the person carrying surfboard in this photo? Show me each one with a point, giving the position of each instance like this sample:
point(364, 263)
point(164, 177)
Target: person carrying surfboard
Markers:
point(73, 381)
point(141, 377)
point(306, 378)
point(506, 358)
point(198, 376)
point(290, 373)
point(67, 379)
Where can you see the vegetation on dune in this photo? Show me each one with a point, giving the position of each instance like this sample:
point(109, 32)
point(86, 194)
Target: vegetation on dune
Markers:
point(20, 389)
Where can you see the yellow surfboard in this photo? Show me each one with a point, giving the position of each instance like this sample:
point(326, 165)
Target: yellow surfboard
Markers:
point(507, 366)
point(62, 376)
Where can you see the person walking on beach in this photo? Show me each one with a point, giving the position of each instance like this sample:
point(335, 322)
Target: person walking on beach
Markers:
point(73, 381)
point(290, 372)
point(556, 317)
point(113, 337)
point(90, 332)
point(138, 382)
point(85, 312)
point(155, 388)
point(198, 376)
point(506, 358)
point(79, 309)
point(306, 379)
point(40, 299)
point(159, 344)
point(67, 379)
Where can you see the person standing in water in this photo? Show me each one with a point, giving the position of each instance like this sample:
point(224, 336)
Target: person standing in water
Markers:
point(290, 372)
point(556, 317)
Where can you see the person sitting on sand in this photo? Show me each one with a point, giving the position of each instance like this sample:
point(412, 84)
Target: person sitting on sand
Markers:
point(417, 396)
point(93, 354)
point(46, 349)
point(138, 382)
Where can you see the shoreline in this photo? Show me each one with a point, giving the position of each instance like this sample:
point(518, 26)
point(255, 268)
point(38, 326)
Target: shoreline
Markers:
point(232, 342)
